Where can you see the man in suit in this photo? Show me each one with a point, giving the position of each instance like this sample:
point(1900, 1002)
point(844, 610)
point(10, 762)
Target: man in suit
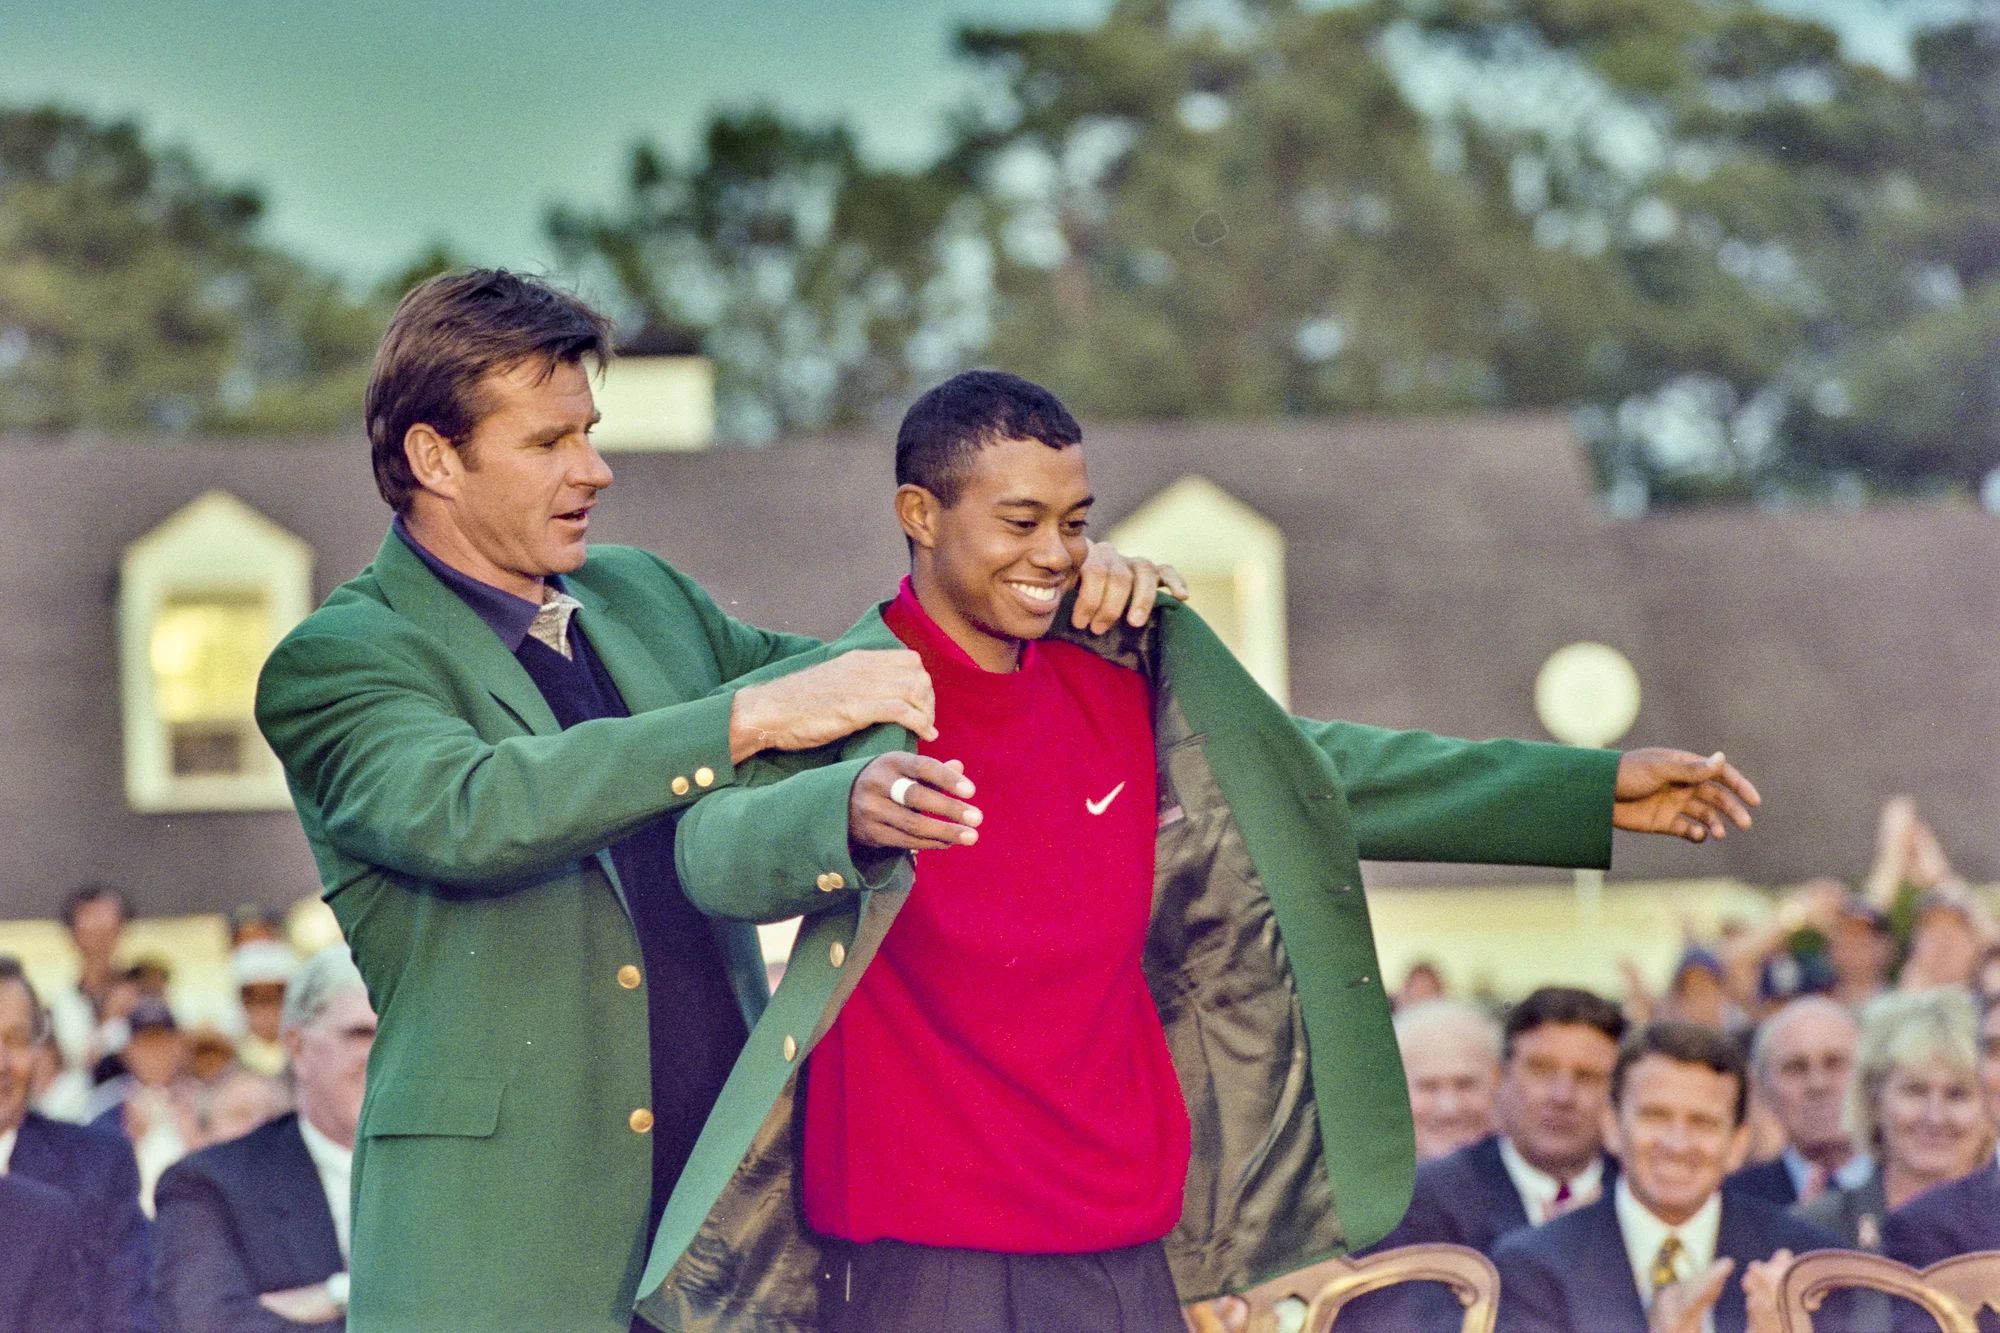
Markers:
point(1665, 1250)
point(96, 1172)
point(41, 1275)
point(487, 734)
point(1801, 1061)
point(1064, 1088)
point(253, 1233)
point(1451, 1057)
point(1558, 1047)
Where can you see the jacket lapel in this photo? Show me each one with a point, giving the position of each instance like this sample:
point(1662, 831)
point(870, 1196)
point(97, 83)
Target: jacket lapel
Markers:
point(1505, 1212)
point(1739, 1238)
point(293, 1191)
point(1606, 1295)
point(416, 594)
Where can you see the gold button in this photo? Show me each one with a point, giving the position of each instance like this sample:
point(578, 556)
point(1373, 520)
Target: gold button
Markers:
point(824, 887)
point(628, 977)
point(680, 786)
point(791, 1049)
point(704, 776)
point(831, 880)
point(838, 953)
point(641, 1121)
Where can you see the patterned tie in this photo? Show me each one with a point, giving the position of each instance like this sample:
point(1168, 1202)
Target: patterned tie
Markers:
point(551, 625)
point(1664, 1272)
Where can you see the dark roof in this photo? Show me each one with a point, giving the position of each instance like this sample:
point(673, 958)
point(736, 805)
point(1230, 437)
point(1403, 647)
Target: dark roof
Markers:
point(1838, 656)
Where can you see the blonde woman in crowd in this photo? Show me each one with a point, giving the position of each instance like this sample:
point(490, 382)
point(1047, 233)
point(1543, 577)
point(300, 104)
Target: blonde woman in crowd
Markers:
point(1915, 1103)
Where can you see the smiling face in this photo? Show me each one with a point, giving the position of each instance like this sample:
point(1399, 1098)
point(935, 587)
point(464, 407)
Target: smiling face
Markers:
point(1933, 1121)
point(991, 568)
point(1806, 1073)
point(1675, 1131)
point(510, 504)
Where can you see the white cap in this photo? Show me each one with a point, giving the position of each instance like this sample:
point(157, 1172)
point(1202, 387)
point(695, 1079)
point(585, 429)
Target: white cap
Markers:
point(260, 962)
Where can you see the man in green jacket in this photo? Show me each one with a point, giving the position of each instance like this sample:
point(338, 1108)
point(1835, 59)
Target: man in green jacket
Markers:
point(487, 734)
point(980, 1184)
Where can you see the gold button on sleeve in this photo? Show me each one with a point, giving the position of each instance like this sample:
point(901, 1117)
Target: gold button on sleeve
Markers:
point(824, 887)
point(838, 953)
point(641, 1121)
point(833, 881)
point(628, 977)
point(791, 1048)
point(704, 776)
point(680, 786)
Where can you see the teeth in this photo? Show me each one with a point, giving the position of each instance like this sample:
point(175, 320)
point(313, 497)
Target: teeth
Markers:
point(1035, 592)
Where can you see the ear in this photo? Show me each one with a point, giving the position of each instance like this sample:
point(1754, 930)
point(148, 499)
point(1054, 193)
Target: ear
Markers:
point(434, 460)
point(918, 511)
point(1739, 1147)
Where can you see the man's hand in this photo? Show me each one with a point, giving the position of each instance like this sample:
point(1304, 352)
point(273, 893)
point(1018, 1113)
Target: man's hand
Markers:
point(1681, 1307)
point(1673, 791)
point(1762, 1281)
point(930, 816)
point(1111, 585)
point(834, 699)
point(311, 1304)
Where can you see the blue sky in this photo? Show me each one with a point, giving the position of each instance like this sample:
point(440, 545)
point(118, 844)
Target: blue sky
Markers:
point(376, 126)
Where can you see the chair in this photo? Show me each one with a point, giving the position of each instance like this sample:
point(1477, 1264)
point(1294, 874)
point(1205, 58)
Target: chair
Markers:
point(1324, 1287)
point(1952, 1291)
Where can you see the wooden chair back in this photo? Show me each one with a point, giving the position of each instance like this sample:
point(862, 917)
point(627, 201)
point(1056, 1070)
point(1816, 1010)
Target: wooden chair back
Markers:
point(1325, 1287)
point(1952, 1292)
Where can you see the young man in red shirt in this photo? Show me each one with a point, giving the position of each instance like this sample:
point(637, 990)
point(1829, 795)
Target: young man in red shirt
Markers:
point(995, 1137)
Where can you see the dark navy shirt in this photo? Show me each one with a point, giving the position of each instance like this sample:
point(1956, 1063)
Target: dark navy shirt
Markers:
point(697, 1027)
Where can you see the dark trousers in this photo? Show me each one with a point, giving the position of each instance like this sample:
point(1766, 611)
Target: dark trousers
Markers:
point(891, 1287)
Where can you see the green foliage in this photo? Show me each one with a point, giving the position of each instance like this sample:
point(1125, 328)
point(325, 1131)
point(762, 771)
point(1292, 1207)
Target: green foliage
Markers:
point(134, 295)
point(820, 287)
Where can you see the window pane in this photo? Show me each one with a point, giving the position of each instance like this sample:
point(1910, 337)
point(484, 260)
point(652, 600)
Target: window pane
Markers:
point(206, 651)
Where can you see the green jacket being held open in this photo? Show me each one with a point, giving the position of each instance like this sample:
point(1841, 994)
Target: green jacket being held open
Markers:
point(1259, 956)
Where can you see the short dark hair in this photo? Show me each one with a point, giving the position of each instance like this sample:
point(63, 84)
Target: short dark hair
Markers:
point(1689, 1044)
point(1562, 1004)
point(11, 970)
point(947, 426)
point(446, 333)
point(90, 893)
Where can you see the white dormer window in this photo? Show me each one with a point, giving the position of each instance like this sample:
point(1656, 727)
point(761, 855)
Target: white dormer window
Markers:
point(203, 599)
point(1234, 561)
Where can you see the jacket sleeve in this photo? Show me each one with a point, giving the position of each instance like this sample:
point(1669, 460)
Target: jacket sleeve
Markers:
point(1418, 797)
point(201, 1281)
point(398, 779)
point(117, 1245)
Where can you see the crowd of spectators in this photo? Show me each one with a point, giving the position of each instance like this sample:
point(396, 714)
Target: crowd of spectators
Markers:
point(1831, 1077)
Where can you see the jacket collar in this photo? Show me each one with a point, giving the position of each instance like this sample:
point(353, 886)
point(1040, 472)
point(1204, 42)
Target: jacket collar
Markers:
point(418, 595)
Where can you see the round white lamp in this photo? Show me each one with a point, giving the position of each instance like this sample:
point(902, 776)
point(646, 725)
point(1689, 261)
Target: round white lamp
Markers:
point(1587, 694)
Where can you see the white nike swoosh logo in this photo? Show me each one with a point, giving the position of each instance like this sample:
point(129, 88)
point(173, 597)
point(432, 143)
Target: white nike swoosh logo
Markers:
point(1099, 807)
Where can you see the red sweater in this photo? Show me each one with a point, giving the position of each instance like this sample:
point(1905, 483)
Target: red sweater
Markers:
point(999, 1079)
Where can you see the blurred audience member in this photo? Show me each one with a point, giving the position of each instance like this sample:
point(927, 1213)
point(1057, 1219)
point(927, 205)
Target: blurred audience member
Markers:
point(1451, 1057)
point(254, 1232)
point(154, 1103)
point(1917, 1103)
point(1800, 1064)
point(260, 968)
point(210, 1054)
point(1986, 980)
point(1908, 857)
point(42, 1287)
point(235, 1102)
point(1559, 1046)
point(252, 922)
point(1668, 1249)
point(60, 1091)
point(1947, 937)
point(96, 915)
point(1697, 993)
point(94, 1172)
point(1421, 984)
point(1963, 1216)
point(1860, 949)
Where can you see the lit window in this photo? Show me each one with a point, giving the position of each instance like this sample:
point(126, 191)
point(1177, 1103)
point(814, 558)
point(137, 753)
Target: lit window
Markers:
point(1234, 561)
point(203, 599)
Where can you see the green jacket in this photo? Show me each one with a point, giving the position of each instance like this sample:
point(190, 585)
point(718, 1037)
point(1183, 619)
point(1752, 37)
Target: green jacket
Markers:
point(498, 1182)
point(1260, 958)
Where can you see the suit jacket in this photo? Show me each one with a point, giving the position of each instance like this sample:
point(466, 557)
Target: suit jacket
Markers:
point(1956, 1218)
point(42, 1287)
point(1259, 956)
point(1853, 1214)
point(1463, 1198)
point(236, 1220)
point(1572, 1275)
point(501, 1177)
point(1769, 1181)
point(101, 1177)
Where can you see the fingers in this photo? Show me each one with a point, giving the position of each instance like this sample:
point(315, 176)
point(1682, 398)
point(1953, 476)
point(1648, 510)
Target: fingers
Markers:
point(931, 815)
point(1118, 581)
point(1175, 584)
point(1090, 585)
point(1145, 587)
